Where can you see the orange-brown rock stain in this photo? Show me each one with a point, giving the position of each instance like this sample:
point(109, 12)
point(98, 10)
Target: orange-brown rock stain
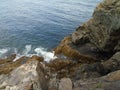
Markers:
point(65, 49)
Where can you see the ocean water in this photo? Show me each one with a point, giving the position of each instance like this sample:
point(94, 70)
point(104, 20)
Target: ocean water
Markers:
point(36, 26)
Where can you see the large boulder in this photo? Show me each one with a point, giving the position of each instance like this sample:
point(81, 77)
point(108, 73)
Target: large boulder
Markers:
point(65, 84)
point(114, 76)
point(7, 64)
point(60, 84)
point(103, 29)
point(112, 64)
point(97, 69)
point(29, 76)
point(109, 82)
point(10, 63)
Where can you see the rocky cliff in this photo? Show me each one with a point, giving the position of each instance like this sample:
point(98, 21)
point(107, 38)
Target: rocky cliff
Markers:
point(101, 31)
point(89, 59)
point(103, 28)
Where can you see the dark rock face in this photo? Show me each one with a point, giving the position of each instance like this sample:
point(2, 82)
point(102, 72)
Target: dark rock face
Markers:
point(112, 64)
point(97, 69)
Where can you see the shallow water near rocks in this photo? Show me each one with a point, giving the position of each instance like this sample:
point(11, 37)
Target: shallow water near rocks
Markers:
point(37, 26)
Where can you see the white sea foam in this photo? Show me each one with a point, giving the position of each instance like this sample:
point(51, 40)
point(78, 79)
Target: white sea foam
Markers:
point(27, 49)
point(3, 52)
point(40, 51)
point(47, 55)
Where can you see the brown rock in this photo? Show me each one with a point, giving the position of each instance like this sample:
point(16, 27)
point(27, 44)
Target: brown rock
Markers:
point(29, 76)
point(112, 64)
point(59, 64)
point(80, 36)
point(35, 57)
point(8, 59)
point(103, 29)
point(114, 76)
point(22, 60)
point(9, 66)
point(65, 49)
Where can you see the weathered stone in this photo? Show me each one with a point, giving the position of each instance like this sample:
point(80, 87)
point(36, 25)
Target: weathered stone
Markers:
point(114, 76)
point(29, 76)
point(34, 57)
point(103, 29)
point(96, 84)
point(22, 60)
point(112, 64)
point(113, 86)
point(7, 67)
point(65, 84)
point(8, 59)
point(87, 71)
point(53, 84)
point(80, 37)
point(58, 64)
point(65, 49)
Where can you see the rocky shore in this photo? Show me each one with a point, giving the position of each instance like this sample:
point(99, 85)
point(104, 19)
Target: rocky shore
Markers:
point(89, 59)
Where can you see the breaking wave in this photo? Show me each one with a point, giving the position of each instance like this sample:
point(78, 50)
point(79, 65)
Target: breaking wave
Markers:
point(28, 51)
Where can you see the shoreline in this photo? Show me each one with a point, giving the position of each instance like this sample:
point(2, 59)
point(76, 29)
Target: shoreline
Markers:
point(89, 59)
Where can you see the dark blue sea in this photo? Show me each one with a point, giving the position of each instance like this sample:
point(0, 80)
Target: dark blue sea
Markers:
point(37, 26)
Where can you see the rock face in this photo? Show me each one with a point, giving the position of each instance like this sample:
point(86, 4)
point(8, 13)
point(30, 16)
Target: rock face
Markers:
point(29, 76)
point(8, 64)
point(114, 76)
point(97, 69)
point(103, 28)
point(108, 82)
point(65, 48)
point(95, 47)
point(112, 64)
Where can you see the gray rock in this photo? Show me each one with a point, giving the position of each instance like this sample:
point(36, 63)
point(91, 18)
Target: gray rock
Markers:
point(113, 76)
point(29, 76)
point(103, 29)
point(53, 84)
point(65, 84)
point(112, 64)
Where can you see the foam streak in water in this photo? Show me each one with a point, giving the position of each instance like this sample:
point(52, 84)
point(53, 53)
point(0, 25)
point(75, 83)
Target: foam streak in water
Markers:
point(28, 52)
point(47, 55)
point(3, 51)
point(27, 49)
